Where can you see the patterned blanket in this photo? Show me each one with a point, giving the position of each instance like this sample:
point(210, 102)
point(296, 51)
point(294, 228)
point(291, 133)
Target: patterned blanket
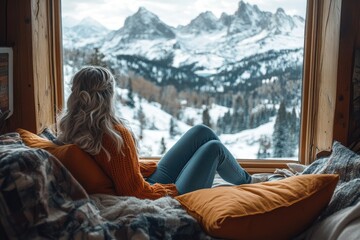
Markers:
point(39, 199)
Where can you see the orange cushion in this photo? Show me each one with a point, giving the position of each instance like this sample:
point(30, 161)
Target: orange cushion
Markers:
point(79, 163)
point(270, 210)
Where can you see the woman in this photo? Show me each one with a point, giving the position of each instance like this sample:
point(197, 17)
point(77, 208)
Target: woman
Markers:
point(89, 122)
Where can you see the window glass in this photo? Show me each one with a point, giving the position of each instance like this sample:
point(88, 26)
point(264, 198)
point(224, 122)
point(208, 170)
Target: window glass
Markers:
point(235, 66)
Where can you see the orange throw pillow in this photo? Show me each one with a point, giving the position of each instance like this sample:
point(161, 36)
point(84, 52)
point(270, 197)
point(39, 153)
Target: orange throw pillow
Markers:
point(270, 210)
point(79, 163)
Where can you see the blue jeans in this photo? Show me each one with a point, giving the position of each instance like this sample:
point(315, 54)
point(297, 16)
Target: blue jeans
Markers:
point(193, 161)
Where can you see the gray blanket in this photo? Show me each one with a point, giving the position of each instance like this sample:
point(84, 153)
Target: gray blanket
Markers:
point(39, 199)
point(342, 225)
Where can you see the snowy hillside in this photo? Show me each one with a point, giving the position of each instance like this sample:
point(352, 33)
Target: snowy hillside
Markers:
point(244, 144)
point(206, 40)
point(86, 32)
point(233, 72)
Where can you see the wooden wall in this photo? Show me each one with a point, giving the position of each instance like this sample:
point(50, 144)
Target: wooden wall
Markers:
point(26, 27)
point(327, 67)
point(354, 125)
point(320, 70)
point(346, 120)
point(339, 30)
point(18, 34)
point(329, 71)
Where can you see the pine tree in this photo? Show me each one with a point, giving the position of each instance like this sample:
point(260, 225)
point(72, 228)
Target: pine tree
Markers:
point(142, 120)
point(172, 131)
point(96, 58)
point(206, 117)
point(236, 122)
point(238, 103)
point(280, 134)
point(294, 132)
point(130, 102)
point(246, 113)
point(162, 146)
point(264, 146)
point(228, 122)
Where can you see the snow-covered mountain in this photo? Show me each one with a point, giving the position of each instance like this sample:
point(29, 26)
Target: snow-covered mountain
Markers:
point(243, 53)
point(206, 22)
point(87, 32)
point(69, 22)
point(206, 41)
point(144, 25)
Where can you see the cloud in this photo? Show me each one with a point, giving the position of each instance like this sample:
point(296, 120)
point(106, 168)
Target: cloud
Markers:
point(112, 13)
point(293, 7)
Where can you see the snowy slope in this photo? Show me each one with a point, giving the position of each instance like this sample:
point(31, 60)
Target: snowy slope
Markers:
point(214, 46)
point(244, 144)
point(207, 41)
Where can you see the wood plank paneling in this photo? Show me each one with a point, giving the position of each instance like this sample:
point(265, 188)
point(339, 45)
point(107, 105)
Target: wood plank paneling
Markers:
point(19, 32)
point(354, 125)
point(320, 74)
point(27, 28)
point(309, 84)
point(56, 47)
point(3, 21)
point(42, 65)
point(326, 73)
point(349, 29)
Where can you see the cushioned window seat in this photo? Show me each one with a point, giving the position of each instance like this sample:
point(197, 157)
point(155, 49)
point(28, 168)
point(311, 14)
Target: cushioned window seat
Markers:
point(42, 198)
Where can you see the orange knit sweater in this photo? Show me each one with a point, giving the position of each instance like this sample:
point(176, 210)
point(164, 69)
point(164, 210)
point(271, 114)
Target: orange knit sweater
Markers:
point(125, 172)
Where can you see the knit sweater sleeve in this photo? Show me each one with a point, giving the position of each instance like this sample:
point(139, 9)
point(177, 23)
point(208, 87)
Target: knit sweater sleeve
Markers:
point(147, 167)
point(124, 169)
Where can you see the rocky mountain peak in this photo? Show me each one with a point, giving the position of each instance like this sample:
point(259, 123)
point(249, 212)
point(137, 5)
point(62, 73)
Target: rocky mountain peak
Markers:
point(146, 25)
point(281, 22)
point(205, 22)
point(280, 11)
point(247, 18)
point(89, 21)
point(88, 28)
point(245, 12)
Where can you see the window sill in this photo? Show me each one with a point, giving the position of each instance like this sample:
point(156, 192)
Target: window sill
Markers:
point(251, 165)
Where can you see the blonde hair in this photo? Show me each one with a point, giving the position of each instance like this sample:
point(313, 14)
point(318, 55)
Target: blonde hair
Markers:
point(90, 111)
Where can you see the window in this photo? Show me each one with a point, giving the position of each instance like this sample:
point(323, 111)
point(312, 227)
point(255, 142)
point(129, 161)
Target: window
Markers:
point(236, 67)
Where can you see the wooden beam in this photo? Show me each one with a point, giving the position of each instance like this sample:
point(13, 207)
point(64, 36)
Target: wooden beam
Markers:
point(30, 30)
point(309, 86)
point(325, 74)
point(350, 68)
point(56, 51)
point(19, 32)
point(42, 64)
point(347, 45)
point(3, 22)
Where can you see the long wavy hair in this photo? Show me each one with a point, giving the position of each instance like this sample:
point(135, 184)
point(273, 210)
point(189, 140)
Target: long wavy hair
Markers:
point(90, 111)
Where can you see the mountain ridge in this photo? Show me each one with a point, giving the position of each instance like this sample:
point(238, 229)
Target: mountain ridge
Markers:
point(208, 44)
point(238, 75)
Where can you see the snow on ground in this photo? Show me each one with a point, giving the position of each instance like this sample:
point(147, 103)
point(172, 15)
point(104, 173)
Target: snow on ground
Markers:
point(243, 145)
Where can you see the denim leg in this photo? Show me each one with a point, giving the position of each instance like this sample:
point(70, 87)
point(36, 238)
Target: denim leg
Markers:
point(193, 161)
point(201, 168)
point(173, 162)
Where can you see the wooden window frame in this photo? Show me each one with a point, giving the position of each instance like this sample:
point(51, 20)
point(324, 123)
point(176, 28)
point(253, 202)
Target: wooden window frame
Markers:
point(319, 80)
point(321, 48)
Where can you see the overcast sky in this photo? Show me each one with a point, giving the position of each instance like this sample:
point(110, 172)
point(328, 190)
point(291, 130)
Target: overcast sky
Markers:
point(112, 13)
